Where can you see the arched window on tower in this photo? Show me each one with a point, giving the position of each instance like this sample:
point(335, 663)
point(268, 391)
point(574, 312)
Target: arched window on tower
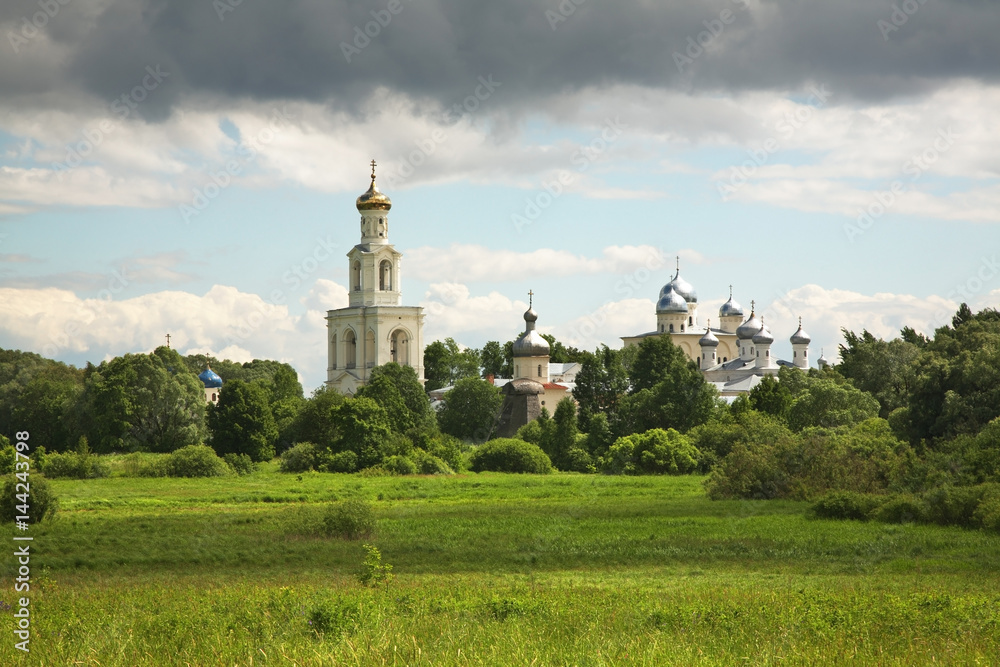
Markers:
point(356, 276)
point(539, 370)
point(370, 349)
point(671, 328)
point(333, 352)
point(350, 350)
point(400, 347)
point(385, 276)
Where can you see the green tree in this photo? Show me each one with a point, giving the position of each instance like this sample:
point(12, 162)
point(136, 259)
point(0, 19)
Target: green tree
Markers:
point(495, 361)
point(470, 410)
point(771, 397)
point(405, 379)
point(242, 422)
point(136, 403)
point(828, 404)
point(655, 452)
point(657, 359)
point(601, 383)
point(445, 363)
point(383, 391)
point(885, 369)
point(314, 421)
point(362, 426)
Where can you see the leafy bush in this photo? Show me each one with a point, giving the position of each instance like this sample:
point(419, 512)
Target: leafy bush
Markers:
point(747, 472)
point(655, 452)
point(956, 505)
point(846, 505)
point(428, 464)
point(510, 455)
point(350, 519)
point(902, 508)
point(400, 465)
point(41, 501)
point(74, 465)
point(196, 461)
point(987, 514)
point(7, 456)
point(578, 460)
point(300, 458)
point(448, 448)
point(373, 571)
point(333, 617)
point(240, 464)
point(346, 461)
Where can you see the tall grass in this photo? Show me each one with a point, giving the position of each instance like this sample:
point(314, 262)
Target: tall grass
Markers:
point(493, 569)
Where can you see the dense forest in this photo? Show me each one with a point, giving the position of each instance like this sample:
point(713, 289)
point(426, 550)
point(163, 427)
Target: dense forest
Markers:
point(900, 419)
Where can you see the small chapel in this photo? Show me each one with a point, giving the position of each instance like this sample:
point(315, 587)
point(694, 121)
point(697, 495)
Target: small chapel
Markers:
point(375, 328)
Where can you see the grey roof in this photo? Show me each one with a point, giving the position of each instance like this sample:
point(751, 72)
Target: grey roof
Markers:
point(672, 302)
point(749, 329)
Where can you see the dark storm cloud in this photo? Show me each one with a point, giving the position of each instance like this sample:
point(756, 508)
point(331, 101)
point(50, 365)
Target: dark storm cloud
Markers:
point(437, 49)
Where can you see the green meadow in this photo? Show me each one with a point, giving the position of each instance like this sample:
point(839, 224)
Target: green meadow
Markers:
point(491, 569)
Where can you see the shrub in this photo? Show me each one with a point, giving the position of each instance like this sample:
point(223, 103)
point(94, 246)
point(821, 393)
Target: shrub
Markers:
point(428, 464)
point(346, 461)
point(74, 465)
point(375, 471)
point(373, 571)
point(655, 452)
point(41, 502)
point(300, 458)
point(7, 456)
point(195, 461)
point(449, 449)
point(987, 514)
point(747, 472)
point(902, 508)
point(400, 465)
point(333, 617)
point(510, 455)
point(240, 464)
point(350, 519)
point(955, 505)
point(578, 460)
point(846, 505)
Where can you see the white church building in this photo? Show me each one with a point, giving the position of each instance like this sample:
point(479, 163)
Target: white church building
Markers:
point(733, 356)
point(375, 328)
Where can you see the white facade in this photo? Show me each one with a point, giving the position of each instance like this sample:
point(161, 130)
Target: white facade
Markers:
point(375, 328)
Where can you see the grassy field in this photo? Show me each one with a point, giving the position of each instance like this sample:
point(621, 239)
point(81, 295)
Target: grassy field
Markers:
point(492, 569)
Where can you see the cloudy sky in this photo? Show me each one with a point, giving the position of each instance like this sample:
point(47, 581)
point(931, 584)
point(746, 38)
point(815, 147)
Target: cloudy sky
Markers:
point(190, 166)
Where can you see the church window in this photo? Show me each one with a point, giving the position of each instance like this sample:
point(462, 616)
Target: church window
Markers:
point(400, 349)
point(725, 359)
point(370, 349)
point(385, 275)
point(350, 350)
point(539, 370)
point(661, 328)
point(671, 328)
point(682, 327)
point(794, 354)
point(356, 276)
point(767, 353)
point(333, 352)
point(691, 321)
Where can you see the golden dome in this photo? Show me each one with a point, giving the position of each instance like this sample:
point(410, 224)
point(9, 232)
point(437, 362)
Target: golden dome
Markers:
point(373, 199)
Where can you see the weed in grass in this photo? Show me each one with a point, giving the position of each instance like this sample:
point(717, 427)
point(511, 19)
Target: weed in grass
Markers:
point(373, 571)
point(352, 519)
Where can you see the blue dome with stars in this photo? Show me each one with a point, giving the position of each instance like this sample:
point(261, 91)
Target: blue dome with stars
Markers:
point(210, 379)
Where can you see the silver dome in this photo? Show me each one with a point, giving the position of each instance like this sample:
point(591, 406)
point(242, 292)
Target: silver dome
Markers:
point(800, 337)
point(730, 308)
point(530, 343)
point(748, 329)
point(763, 336)
point(684, 288)
point(708, 340)
point(672, 303)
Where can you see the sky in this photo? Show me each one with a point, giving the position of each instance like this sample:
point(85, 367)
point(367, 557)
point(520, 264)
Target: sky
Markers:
point(190, 167)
